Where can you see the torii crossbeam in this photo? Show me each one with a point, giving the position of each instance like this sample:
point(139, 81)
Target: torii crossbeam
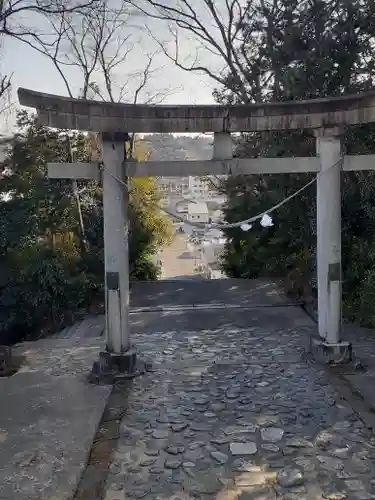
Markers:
point(327, 117)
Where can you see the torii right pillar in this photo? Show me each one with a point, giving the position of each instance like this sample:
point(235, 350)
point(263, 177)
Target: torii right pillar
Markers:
point(329, 150)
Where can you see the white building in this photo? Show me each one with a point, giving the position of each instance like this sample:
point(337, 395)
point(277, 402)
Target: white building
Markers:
point(193, 187)
point(215, 211)
point(212, 251)
point(214, 272)
point(197, 212)
point(179, 206)
point(198, 187)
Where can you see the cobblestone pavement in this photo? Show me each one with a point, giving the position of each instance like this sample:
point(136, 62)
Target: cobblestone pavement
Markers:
point(238, 413)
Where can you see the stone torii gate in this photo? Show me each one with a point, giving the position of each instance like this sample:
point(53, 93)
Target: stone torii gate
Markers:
point(326, 117)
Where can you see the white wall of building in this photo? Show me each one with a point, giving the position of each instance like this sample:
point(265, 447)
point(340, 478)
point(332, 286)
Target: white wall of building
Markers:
point(197, 212)
point(212, 252)
point(215, 274)
point(197, 187)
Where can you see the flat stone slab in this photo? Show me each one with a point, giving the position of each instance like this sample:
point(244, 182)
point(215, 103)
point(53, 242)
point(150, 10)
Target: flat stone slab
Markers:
point(290, 477)
point(48, 422)
point(272, 434)
point(364, 385)
point(249, 448)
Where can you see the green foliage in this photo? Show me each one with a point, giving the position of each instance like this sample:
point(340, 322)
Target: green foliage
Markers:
point(44, 284)
point(304, 50)
point(46, 273)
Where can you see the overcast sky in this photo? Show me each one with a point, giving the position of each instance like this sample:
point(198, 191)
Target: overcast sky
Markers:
point(35, 71)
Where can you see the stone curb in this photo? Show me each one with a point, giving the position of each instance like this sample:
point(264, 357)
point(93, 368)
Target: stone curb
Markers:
point(343, 380)
point(205, 307)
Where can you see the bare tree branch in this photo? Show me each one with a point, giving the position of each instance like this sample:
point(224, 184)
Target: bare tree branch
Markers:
point(219, 35)
point(4, 84)
point(182, 64)
point(11, 10)
point(239, 34)
point(6, 103)
point(101, 43)
point(15, 13)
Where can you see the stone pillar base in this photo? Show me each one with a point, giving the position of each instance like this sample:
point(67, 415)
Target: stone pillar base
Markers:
point(8, 366)
point(113, 367)
point(332, 354)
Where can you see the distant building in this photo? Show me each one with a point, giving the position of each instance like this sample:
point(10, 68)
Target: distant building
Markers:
point(212, 252)
point(172, 187)
point(214, 272)
point(180, 207)
point(192, 187)
point(197, 212)
point(169, 147)
point(198, 187)
point(215, 211)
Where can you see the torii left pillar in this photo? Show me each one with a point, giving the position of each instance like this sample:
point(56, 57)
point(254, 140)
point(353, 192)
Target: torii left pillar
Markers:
point(119, 358)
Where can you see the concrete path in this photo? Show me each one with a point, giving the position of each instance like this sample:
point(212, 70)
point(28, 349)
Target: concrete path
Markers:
point(49, 415)
point(234, 410)
point(206, 293)
point(176, 259)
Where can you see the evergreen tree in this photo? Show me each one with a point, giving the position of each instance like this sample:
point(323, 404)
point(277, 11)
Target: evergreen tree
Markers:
point(303, 50)
point(44, 272)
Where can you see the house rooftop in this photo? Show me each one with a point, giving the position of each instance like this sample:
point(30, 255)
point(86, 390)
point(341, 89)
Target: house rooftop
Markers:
point(197, 208)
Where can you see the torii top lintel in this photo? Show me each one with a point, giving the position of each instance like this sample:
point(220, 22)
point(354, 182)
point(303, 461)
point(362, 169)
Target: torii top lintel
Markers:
point(79, 114)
